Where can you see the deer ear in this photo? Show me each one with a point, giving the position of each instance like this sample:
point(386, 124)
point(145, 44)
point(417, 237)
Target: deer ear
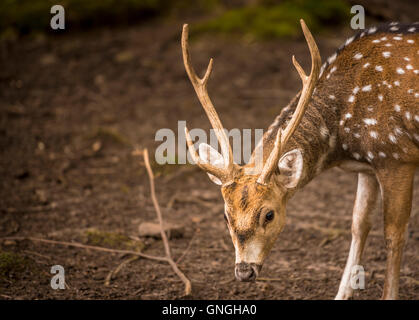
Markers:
point(209, 155)
point(290, 168)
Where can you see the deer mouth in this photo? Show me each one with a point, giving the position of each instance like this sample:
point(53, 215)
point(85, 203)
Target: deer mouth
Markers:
point(247, 272)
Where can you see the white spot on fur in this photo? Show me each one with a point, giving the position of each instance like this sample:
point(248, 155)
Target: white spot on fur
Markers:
point(356, 155)
point(358, 56)
point(347, 130)
point(409, 67)
point(322, 69)
point(397, 83)
point(348, 116)
point(382, 154)
point(376, 41)
point(416, 118)
point(380, 97)
point(394, 28)
point(410, 41)
point(366, 88)
point(408, 115)
point(349, 40)
point(344, 146)
point(392, 138)
point(374, 134)
point(411, 29)
point(397, 108)
point(366, 65)
point(351, 98)
point(332, 97)
point(331, 59)
point(396, 156)
point(397, 38)
point(388, 45)
point(355, 90)
point(379, 68)
point(357, 135)
point(370, 155)
point(372, 30)
point(386, 54)
point(400, 70)
point(370, 122)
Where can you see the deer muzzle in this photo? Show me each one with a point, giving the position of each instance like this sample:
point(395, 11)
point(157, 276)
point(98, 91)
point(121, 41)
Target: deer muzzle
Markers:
point(247, 271)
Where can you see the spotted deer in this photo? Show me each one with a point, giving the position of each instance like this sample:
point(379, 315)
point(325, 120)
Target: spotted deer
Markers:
point(358, 111)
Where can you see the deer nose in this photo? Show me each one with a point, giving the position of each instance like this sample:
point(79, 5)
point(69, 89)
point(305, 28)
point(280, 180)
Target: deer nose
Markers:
point(246, 272)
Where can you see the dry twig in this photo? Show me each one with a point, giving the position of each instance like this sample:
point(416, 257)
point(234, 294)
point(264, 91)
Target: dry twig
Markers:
point(187, 248)
point(167, 258)
point(111, 275)
point(186, 281)
point(88, 247)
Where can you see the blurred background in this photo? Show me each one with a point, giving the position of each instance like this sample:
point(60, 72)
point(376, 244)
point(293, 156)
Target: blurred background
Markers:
point(74, 103)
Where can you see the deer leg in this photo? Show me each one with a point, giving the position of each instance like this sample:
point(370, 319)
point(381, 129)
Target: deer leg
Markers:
point(366, 198)
point(396, 189)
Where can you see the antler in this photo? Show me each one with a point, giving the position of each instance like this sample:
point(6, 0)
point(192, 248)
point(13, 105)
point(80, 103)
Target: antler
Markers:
point(309, 82)
point(200, 86)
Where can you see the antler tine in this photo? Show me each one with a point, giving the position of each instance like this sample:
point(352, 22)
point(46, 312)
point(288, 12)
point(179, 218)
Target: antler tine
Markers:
point(309, 82)
point(218, 172)
point(200, 86)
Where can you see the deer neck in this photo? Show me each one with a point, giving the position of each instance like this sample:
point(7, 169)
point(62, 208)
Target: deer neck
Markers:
point(315, 136)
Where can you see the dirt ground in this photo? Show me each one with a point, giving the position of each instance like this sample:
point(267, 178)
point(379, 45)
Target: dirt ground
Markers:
point(72, 109)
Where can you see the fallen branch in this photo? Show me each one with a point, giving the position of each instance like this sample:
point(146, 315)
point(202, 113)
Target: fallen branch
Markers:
point(186, 281)
point(187, 248)
point(167, 258)
point(88, 247)
point(111, 275)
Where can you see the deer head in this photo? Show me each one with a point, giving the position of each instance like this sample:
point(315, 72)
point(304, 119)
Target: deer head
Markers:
point(254, 203)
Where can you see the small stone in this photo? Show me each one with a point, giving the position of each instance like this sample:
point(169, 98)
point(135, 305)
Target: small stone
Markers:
point(152, 229)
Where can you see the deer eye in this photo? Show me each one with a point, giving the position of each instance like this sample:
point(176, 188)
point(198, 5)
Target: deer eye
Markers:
point(269, 216)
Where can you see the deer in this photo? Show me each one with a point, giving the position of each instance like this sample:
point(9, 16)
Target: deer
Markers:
point(357, 112)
